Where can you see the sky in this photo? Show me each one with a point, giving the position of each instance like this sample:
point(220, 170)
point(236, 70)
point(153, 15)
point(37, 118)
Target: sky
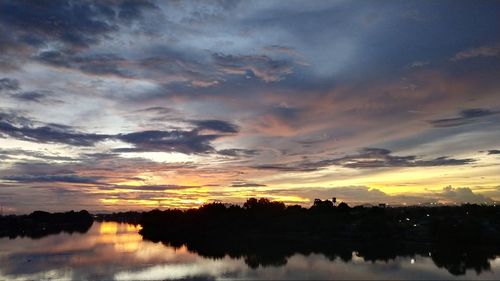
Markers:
point(134, 105)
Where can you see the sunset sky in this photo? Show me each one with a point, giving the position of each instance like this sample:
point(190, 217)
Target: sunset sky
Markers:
point(118, 105)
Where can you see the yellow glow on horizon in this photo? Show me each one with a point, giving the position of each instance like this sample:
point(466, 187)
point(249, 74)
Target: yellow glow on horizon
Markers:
point(194, 190)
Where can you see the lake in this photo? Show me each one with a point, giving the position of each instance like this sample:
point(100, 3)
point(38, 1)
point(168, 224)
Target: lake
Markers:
point(115, 251)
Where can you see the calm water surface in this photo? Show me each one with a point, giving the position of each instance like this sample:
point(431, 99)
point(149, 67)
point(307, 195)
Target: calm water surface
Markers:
point(113, 251)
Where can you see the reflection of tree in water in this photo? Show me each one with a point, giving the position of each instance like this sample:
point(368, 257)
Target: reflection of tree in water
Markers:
point(275, 252)
point(266, 233)
point(457, 261)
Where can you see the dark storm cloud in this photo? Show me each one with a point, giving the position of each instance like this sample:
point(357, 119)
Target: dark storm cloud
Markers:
point(368, 158)
point(71, 178)
point(9, 84)
point(466, 116)
point(74, 23)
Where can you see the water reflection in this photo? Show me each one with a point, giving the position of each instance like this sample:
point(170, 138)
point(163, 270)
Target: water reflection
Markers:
point(112, 251)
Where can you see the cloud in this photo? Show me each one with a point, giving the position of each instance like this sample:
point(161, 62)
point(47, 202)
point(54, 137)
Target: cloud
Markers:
point(70, 178)
point(96, 64)
point(50, 133)
point(283, 49)
point(494, 151)
point(237, 152)
point(76, 24)
point(365, 159)
point(154, 140)
point(204, 84)
point(149, 187)
point(9, 153)
point(216, 125)
point(156, 114)
point(356, 195)
point(466, 116)
point(305, 167)
point(131, 10)
point(281, 120)
point(7, 84)
point(157, 110)
point(419, 63)
point(73, 23)
point(483, 51)
point(463, 195)
point(246, 184)
point(187, 142)
point(31, 96)
point(379, 158)
point(263, 67)
point(353, 195)
point(166, 67)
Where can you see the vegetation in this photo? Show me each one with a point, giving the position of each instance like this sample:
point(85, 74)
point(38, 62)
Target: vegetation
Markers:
point(471, 224)
point(266, 232)
point(39, 224)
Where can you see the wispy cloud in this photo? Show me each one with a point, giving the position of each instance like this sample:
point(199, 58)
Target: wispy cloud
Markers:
point(368, 158)
point(483, 51)
point(246, 184)
point(70, 178)
point(466, 116)
point(263, 67)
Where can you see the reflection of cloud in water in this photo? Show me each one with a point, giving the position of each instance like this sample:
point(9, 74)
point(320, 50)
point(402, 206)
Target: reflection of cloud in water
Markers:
point(116, 251)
